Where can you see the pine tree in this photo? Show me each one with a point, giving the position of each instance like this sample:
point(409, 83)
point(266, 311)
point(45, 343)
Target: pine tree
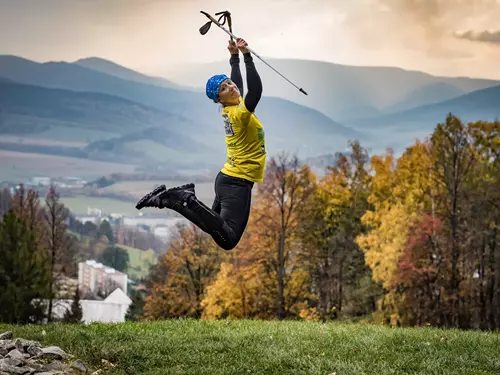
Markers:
point(106, 230)
point(75, 313)
point(115, 257)
point(24, 276)
point(136, 308)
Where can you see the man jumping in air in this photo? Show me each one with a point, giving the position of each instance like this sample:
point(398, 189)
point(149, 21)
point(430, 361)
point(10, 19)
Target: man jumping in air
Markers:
point(246, 158)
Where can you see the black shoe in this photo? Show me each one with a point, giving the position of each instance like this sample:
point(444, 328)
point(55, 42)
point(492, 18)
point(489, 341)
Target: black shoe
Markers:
point(163, 198)
point(175, 198)
point(142, 202)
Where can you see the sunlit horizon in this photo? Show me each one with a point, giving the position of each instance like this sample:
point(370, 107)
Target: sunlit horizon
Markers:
point(155, 37)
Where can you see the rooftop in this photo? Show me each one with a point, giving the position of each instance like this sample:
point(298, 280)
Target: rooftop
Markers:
point(94, 264)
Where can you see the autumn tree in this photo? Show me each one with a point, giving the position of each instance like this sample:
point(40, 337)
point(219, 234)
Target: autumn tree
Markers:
point(178, 281)
point(331, 221)
point(434, 228)
point(452, 160)
point(286, 187)
point(59, 244)
point(419, 274)
point(485, 209)
point(400, 192)
point(245, 286)
point(27, 204)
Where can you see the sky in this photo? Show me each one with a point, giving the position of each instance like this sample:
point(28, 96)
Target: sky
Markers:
point(442, 37)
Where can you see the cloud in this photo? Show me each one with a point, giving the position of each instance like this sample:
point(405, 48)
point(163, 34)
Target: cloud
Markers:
point(492, 37)
point(423, 25)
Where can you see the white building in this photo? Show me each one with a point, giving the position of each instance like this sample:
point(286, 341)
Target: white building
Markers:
point(112, 310)
point(94, 276)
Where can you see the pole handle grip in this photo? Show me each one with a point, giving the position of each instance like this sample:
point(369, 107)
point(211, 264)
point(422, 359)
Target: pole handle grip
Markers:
point(251, 50)
point(209, 16)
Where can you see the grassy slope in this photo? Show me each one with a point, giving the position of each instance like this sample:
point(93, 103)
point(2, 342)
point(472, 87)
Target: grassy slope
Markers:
point(254, 347)
point(139, 261)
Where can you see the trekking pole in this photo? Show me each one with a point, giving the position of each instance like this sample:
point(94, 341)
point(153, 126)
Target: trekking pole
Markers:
point(204, 29)
point(226, 15)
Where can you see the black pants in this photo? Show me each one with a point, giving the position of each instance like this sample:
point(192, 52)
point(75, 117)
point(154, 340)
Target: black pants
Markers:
point(228, 218)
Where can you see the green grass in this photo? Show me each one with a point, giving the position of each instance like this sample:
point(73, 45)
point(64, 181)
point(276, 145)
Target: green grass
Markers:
point(139, 261)
point(255, 347)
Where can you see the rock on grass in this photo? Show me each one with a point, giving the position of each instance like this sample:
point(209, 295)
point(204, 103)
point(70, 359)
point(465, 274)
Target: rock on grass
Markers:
point(27, 357)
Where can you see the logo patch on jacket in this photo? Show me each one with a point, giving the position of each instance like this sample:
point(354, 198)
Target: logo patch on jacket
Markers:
point(228, 127)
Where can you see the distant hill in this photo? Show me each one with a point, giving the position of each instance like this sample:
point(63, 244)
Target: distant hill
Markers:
point(478, 105)
point(429, 94)
point(102, 111)
point(74, 77)
point(292, 127)
point(283, 119)
point(122, 115)
point(33, 111)
point(113, 69)
point(342, 92)
point(92, 110)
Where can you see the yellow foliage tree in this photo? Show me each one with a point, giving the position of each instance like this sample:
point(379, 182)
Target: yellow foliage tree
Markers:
point(268, 274)
point(330, 223)
point(238, 293)
point(180, 278)
point(286, 189)
point(400, 194)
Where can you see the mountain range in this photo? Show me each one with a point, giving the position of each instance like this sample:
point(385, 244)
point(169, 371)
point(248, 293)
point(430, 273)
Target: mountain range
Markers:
point(482, 104)
point(90, 91)
point(343, 92)
point(123, 115)
point(111, 68)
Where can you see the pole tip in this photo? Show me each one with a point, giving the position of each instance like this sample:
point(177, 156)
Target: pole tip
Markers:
point(302, 91)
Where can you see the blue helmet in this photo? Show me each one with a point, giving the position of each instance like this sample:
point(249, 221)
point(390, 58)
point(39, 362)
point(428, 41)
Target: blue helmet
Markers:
point(213, 85)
